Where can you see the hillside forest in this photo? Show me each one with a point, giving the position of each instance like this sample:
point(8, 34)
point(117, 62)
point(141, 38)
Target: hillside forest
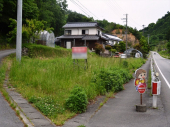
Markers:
point(50, 15)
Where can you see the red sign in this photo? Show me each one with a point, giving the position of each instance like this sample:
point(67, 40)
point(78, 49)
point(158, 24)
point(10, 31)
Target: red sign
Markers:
point(79, 52)
point(154, 87)
point(79, 49)
point(141, 88)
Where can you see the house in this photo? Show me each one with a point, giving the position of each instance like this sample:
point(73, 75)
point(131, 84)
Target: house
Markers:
point(81, 34)
point(112, 39)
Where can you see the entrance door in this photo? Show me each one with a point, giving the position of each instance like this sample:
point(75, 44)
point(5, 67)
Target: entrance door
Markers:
point(68, 45)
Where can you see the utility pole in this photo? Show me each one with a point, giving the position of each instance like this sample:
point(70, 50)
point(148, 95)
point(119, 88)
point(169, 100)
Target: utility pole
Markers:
point(126, 32)
point(19, 30)
point(148, 39)
point(143, 29)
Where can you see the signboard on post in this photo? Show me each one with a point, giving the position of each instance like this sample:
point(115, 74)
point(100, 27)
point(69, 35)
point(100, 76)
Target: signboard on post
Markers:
point(140, 84)
point(140, 80)
point(141, 88)
point(79, 52)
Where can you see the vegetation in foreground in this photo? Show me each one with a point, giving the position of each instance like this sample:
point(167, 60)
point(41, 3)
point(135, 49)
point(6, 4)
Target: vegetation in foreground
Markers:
point(53, 83)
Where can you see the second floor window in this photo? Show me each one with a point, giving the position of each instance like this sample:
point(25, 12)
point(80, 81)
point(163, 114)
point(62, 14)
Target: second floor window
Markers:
point(85, 31)
point(67, 32)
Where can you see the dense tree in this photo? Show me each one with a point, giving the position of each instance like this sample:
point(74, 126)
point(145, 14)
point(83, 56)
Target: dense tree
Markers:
point(158, 31)
point(144, 47)
point(77, 17)
point(168, 35)
point(1, 6)
point(30, 30)
point(122, 46)
point(8, 10)
point(53, 12)
point(168, 46)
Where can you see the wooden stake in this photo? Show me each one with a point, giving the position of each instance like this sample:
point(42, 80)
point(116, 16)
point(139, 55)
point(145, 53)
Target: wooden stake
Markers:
point(141, 99)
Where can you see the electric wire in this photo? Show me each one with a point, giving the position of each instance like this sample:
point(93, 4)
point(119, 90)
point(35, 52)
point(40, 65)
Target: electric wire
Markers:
point(86, 9)
point(122, 10)
point(80, 8)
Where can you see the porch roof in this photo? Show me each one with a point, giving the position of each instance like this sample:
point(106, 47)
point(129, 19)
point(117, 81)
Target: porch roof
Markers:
point(71, 37)
point(91, 37)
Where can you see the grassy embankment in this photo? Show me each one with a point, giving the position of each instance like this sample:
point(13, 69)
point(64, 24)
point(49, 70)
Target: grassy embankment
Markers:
point(47, 78)
point(165, 54)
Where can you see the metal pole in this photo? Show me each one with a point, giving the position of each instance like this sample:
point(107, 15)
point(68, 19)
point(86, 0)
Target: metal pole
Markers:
point(19, 30)
point(148, 39)
point(143, 29)
point(126, 32)
point(126, 35)
point(141, 99)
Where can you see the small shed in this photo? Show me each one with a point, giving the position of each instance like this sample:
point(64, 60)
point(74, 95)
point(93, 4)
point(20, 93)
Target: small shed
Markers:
point(46, 38)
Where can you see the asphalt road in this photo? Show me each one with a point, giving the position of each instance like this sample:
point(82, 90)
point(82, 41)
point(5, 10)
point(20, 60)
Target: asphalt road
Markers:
point(8, 116)
point(121, 110)
point(163, 67)
point(6, 53)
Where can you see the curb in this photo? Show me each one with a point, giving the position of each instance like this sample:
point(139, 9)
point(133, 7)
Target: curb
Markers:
point(30, 115)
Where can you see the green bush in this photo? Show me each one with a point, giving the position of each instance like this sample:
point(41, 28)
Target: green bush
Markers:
point(77, 101)
point(99, 48)
point(110, 79)
point(108, 47)
point(113, 50)
point(125, 64)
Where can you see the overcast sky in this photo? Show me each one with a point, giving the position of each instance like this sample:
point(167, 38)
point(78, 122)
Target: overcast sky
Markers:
point(140, 12)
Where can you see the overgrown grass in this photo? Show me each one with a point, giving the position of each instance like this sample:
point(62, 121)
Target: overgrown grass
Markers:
point(47, 82)
point(35, 50)
point(4, 46)
point(149, 80)
point(165, 54)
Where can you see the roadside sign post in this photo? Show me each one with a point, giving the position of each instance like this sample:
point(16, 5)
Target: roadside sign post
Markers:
point(140, 85)
point(79, 53)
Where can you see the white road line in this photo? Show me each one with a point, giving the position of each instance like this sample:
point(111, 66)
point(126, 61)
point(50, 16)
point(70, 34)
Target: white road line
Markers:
point(162, 75)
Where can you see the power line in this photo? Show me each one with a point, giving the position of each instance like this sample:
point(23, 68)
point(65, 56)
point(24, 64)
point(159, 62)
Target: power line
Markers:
point(86, 9)
point(79, 7)
point(119, 8)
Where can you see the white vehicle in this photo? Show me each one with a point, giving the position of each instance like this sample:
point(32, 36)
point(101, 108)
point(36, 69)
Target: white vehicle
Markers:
point(123, 56)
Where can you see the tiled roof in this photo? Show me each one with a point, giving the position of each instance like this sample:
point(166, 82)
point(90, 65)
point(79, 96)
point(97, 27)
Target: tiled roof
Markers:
point(90, 37)
point(81, 24)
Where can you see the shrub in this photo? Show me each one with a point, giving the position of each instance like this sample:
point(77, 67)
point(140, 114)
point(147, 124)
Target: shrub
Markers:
point(125, 64)
point(98, 48)
point(110, 79)
point(108, 47)
point(77, 101)
point(113, 50)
